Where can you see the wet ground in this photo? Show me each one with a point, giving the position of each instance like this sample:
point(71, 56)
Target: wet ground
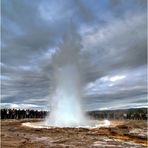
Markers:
point(120, 134)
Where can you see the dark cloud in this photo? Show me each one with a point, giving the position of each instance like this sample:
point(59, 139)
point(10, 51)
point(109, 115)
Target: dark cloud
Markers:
point(111, 36)
point(117, 46)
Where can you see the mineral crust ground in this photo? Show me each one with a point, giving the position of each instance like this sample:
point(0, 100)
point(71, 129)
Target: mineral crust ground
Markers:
point(120, 134)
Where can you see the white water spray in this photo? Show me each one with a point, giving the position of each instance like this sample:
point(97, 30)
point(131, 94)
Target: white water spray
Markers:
point(66, 110)
point(66, 103)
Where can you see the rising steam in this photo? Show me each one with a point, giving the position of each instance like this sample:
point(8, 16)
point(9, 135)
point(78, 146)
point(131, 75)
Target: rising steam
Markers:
point(66, 110)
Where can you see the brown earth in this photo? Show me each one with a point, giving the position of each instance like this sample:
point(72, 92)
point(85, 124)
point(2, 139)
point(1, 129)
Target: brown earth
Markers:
point(122, 134)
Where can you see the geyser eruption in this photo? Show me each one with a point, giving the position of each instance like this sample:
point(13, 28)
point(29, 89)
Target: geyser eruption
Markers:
point(67, 84)
point(66, 110)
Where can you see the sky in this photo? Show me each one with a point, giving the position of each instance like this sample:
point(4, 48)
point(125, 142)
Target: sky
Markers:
point(113, 51)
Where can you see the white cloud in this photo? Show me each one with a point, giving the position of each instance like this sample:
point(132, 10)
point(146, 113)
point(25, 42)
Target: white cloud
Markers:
point(117, 77)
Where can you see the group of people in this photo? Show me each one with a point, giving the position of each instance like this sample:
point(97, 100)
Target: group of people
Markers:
point(136, 116)
point(130, 115)
point(22, 113)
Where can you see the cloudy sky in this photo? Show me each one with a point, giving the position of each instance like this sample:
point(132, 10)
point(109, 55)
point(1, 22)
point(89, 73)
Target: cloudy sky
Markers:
point(113, 39)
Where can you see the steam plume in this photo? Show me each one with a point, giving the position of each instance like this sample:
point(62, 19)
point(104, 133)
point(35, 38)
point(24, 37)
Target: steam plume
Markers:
point(65, 104)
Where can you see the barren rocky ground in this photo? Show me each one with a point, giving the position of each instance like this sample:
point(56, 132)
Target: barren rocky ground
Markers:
point(122, 134)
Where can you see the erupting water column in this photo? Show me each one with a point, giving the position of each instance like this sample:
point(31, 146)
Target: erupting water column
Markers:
point(66, 82)
point(66, 110)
